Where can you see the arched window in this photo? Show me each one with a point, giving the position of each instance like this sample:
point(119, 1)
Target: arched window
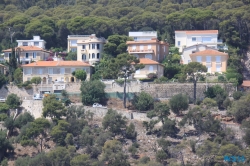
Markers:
point(93, 55)
point(98, 55)
point(89, 56)
point(149, 56)
point(83, 57)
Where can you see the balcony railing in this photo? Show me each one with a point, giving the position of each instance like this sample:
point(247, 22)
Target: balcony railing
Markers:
point(142, 51)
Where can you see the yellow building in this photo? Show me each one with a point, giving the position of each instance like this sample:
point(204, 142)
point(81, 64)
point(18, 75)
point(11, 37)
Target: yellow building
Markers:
point(28, 54)
point(214, 60)
point(151, 66)
point(55, 71)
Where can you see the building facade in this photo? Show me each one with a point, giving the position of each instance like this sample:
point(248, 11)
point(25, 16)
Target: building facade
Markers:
point(214, 60)
point(55, 71)
point(185, 55)
point(151, 66)
point(36, 41)
point(185, 39)
point(28, 54)
point(89, 48)
point(146, 45)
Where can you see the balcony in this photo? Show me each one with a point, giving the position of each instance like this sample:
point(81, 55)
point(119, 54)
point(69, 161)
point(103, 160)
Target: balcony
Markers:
point(218, 63)
point(208, 63)
point(141, 51)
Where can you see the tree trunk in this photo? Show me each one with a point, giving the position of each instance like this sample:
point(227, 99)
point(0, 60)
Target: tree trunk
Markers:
point(195, 91)
point(124, 93)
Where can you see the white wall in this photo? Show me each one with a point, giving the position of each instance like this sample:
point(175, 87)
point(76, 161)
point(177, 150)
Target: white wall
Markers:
point(186, 40)
point(187, 51)
point(182, 38)
point(214, 39)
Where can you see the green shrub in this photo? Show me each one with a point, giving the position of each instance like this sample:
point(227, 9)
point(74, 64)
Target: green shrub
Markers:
point(28, 143)
point(161, 80)
point(28, 87)
point(221, 78)
point(143, 101)
point(237, 95)
point(152, 75)
point(146, 79)
point(3, 117)
point(209, 103)
point(120, 81)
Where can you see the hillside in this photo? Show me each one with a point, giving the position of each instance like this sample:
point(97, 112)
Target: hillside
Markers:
point(53, 20)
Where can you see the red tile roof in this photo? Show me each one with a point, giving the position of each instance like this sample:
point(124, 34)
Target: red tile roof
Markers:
point(147, 61)
point(56, 63)
point(26, 48)
point(200, 31)
point(246, 83)
point(209, 52)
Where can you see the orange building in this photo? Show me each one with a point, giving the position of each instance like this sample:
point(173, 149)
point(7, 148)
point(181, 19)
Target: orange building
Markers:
point(214, 60)
point(146, 45)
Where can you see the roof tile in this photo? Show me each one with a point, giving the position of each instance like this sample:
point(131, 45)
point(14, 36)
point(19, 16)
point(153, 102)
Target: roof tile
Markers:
point(209, 52)
point(26, 48)
point(56, 63)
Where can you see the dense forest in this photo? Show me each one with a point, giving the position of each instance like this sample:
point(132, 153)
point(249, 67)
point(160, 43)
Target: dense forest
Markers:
point(53, 20)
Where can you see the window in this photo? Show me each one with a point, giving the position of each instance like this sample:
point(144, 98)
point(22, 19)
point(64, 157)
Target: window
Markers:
point(27, 55)
point(206, 39)
point(73, 49)
point(56, 70)
point(72, 69)
point(73, 43)
point(218, 68)
point(98, 46)
point(134, 47)
point(68, 70)
point(208, 58)
point(62, 70)
point(136, 55)
point(209, 69)
point(89, 46)
point(151, 69)
point(158, 48)
point(149, 47)
point(83, 57)
point(149, 56)
point(218, 59)
point(36, 43)
point(34, 55)
point(158, 57)
point(93, 55)
point(141, 47)
point(25, 43)
point(50, 71)
point(135, 38)
point(179, 43)
point(9, 55)
point(198, 58)
point(93, 46)
point(193, 38)
point(27, 71)
point(40, 71)
point(83, 47)
point(193, 52)
point(137, 71)
point(98, 55)
point(164, 48)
